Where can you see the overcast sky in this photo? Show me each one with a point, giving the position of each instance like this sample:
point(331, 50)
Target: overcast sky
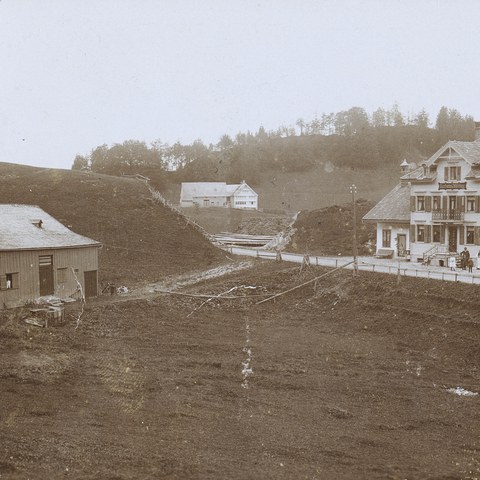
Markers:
point(79, 73)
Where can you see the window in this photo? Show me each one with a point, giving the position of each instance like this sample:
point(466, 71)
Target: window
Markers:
point(470, 240)
point(436, 203)
point(386, 238)
point(452, 203)
point(436, 235)
point(470, 204)
point(420, 233)
point(420, 203)
point(61, 275)
point(452, 173)
point(9, 281)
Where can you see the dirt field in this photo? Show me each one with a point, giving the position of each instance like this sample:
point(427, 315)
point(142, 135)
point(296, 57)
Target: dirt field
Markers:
point(349, 382)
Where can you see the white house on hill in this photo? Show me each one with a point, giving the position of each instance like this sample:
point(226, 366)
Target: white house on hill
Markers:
point(435, 209)
point(218, 194)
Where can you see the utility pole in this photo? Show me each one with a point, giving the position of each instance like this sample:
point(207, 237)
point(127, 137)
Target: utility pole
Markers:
point(353, 191)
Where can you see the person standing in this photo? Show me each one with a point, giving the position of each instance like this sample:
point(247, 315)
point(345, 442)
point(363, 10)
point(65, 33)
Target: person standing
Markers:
point(465, 258)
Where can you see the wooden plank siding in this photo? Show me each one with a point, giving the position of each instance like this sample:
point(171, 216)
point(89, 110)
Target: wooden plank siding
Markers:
point(25, 263)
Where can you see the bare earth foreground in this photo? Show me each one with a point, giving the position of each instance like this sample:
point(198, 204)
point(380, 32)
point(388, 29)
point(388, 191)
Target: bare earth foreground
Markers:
point(349, 382)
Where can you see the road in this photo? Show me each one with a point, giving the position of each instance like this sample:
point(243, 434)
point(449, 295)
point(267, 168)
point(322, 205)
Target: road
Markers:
point(368, 264)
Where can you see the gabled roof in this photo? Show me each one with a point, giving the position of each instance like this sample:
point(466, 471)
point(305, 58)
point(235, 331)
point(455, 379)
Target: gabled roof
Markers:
point(394, 207)
point(191, 190)
point(28, 227)
point(469, 151)
point(202, 189)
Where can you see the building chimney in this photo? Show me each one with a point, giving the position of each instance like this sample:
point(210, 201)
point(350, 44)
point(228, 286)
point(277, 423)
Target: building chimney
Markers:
point(477, 131)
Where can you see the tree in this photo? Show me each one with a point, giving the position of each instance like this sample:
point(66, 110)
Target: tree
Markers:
point(422, 119)
point(300, 124)
point(80, 163)
point(379, 118)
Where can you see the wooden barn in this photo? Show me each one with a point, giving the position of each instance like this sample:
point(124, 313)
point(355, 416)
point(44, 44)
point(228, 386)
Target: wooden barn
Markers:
point(39, 257)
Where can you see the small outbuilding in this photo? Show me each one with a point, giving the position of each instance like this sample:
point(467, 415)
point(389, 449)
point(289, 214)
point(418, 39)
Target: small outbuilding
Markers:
point(39, 257)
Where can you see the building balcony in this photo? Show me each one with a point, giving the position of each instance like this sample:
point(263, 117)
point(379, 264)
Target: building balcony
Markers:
point(448, 215)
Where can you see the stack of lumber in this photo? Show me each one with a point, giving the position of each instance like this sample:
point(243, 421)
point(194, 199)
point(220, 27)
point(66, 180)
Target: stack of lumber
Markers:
point(241, 239)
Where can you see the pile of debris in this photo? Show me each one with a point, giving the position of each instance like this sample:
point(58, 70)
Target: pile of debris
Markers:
point(47, 311)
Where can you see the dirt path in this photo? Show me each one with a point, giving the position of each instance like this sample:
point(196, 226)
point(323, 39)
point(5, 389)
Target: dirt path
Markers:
point(175, 282)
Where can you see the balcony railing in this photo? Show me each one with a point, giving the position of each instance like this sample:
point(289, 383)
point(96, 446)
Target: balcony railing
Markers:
point(447, 215)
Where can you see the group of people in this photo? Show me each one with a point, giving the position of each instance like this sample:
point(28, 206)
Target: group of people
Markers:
point(465, 260)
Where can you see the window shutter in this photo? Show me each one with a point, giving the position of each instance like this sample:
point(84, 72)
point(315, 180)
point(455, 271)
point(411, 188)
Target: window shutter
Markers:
point(15, 283)
point(412, 233)
point(446, 176)
point(462, 235)
point(477, 235)
point(428, 204)
point(477, 204)
point(428, 229)
point(412, 204)
point(444, 206)
point(3, 282)
point(462, 204)
point(442, 234)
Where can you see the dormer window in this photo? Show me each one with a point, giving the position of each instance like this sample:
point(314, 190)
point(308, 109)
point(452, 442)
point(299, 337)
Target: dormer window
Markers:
point(452, 173)
point(37, 223)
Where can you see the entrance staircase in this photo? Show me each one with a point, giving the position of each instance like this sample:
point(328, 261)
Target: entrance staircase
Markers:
point(441, 252)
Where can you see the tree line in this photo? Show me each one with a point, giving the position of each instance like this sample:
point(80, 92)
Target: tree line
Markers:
point(351, 138)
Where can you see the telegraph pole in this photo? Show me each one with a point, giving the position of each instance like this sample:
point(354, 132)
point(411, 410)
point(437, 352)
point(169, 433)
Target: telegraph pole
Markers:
point(353, 191)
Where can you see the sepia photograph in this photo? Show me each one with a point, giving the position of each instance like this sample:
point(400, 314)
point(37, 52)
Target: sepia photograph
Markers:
point(239, 239)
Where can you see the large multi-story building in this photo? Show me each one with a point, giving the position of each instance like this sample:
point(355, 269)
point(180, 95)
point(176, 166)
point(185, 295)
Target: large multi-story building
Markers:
point(435, 209)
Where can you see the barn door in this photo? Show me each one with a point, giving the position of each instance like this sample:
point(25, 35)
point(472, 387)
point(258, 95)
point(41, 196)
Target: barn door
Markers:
point(46, 275)
point(91, 285)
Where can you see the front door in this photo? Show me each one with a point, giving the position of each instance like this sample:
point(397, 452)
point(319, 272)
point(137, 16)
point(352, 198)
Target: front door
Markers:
point(91, 285)
point(452, 239)
point(401, 245)
point(45, 271)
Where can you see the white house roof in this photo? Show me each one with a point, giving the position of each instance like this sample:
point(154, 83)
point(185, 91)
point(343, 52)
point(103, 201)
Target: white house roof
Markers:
point(28, 227)
point(202, 189)
point(191, 190)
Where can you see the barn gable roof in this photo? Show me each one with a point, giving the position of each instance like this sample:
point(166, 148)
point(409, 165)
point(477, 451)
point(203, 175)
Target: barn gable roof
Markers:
point(28, 227)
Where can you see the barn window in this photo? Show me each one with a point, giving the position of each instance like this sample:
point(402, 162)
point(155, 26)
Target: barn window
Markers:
point(9, 281)
point(61, 275)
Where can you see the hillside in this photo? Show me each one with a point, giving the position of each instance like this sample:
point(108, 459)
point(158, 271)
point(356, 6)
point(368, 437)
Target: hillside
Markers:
point(142, 240)
point(314, 188)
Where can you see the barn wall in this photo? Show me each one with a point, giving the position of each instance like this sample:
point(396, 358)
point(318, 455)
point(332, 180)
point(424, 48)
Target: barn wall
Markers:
point(26, 265)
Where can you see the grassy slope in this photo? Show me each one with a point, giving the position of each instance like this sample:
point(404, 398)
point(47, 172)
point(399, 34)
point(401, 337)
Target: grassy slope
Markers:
point(312, 189)
point(142, 240)
point(320, 187)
